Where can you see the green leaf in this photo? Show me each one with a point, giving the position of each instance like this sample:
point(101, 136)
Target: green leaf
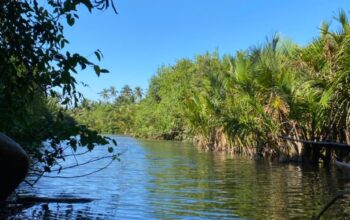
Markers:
point(70, 20)
point(73, 144)
point(64, 42)
point(47, 169)
point(114, 142)
point(110, 150)
point(88, 4)
point(90, 146)
point(67, 6)
point(104, 71)
point(326, 97)
point(98, 55)
point(97, 70)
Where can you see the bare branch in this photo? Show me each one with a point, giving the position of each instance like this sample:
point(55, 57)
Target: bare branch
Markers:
point(83, 175)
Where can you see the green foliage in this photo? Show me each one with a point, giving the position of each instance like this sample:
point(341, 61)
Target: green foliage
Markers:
point(246, 102)
point(37, 79)
point(115, 117)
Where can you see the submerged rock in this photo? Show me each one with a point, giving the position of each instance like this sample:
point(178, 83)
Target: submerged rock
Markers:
point(14, 164)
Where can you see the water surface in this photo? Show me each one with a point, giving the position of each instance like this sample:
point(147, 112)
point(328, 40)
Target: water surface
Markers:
point(173, 180)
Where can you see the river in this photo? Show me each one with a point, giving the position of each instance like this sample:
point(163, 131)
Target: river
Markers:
point(173, 180)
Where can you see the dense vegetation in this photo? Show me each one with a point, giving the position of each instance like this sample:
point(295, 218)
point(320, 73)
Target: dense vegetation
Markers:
point(114, 114)
point(243, 103)
point(37, 82)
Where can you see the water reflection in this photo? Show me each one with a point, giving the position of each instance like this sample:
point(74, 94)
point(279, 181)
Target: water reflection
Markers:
point(175, 180)
point(56, 211)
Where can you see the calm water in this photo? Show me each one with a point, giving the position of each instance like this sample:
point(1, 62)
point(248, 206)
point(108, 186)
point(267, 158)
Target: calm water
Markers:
point(172, 180)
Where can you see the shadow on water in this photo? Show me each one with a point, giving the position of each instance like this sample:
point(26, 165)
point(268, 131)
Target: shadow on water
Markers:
point(53, 211)
point(162, 179)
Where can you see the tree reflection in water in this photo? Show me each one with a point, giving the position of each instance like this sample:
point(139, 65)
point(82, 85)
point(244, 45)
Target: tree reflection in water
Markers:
point(172, 180)
point(51, 211)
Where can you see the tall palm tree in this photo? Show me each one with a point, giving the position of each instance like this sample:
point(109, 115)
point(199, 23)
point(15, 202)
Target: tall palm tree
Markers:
point(104, 94)
point(126, 91)
point(113, 91)
point(138, 93)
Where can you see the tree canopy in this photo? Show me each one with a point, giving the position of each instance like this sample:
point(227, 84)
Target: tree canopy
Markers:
point(37, 82)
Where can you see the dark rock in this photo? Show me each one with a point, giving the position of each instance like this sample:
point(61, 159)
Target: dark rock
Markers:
point(14, 164)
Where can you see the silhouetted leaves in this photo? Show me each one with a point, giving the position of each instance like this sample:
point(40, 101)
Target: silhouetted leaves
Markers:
point(37, 80)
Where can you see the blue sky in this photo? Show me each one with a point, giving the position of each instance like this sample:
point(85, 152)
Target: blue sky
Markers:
point(149, 33)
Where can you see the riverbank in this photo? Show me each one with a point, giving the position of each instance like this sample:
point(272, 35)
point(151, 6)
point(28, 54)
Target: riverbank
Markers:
point(243, 102)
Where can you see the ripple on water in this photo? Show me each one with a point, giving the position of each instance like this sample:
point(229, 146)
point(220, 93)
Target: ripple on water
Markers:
point(172, 180)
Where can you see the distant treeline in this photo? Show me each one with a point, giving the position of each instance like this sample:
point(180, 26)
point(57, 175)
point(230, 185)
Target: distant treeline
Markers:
point(243, 103)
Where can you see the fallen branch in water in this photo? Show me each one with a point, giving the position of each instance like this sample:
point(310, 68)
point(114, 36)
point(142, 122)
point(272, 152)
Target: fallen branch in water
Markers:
point(35, 199)
point(329, 204)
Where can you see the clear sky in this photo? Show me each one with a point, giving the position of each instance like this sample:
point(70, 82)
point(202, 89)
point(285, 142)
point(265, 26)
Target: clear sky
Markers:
point(149, 33)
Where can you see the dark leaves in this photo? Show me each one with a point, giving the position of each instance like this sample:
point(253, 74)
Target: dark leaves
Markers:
point(97, 70)
point(37, 77)
point(110, 150)
point(70, 20)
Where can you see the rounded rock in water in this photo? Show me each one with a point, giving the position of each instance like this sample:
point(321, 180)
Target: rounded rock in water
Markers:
point(14, 164)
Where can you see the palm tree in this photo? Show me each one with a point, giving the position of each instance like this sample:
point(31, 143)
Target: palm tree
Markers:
point(113, 91)
point(126, 91)
point(104, 94)
point(327, 61)
point(138, 93)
